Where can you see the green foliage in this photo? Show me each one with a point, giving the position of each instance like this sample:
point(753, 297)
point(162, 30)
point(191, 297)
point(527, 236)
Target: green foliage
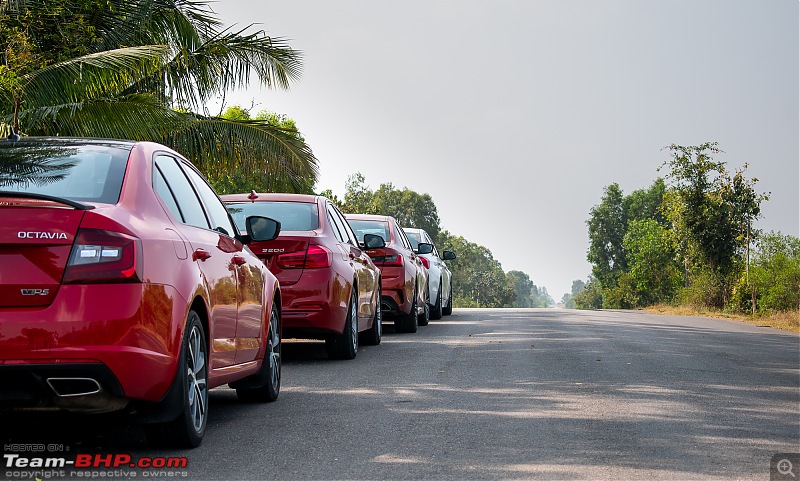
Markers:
point(607, 223)
point(568, 299)
point(410, 208)
point(773, 279)
point(526, 293)
point(714, 215)
point(136, 70)
point(478, 279)
point(591, 297)
point(654, 273)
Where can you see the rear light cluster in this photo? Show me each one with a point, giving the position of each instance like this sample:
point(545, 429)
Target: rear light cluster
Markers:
point(314, 258)
point(103, 256)
point(395, 260)
point(425, 262)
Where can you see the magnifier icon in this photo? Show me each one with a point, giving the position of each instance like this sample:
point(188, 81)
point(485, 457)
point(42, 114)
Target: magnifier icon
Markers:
point(785, 467)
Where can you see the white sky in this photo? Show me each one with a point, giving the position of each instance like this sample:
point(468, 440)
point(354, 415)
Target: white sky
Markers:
point(514, 115)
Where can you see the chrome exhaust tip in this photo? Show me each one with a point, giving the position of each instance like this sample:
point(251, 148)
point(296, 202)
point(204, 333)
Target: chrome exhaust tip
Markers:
point(74, 386)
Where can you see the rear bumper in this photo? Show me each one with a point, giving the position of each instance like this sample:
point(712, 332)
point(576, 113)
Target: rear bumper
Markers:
point(394, 300)
point(124, 336)
point(315, 306)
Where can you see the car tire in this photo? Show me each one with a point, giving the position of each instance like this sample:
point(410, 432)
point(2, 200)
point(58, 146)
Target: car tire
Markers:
point(345, 345)
point(436, 311)
point(187, 430)
point(373, 336)
point(268, 379)
point(409, 322)
point(448, 309)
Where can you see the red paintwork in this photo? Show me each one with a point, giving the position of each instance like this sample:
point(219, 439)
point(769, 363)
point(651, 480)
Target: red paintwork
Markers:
point(397, 282)
point(135, 329)
point(315, 300)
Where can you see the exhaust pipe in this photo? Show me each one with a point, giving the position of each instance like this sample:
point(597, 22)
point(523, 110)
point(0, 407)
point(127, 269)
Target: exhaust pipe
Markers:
point(74, 386)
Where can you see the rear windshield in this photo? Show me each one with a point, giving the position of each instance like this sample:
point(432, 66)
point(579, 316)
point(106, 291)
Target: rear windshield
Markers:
point(377, 227)
point(292, 215)
point(414, 238)
point(88, 173)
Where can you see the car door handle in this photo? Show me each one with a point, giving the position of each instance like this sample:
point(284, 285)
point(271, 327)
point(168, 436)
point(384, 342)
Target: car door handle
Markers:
point(239, 260)
point(200, 254)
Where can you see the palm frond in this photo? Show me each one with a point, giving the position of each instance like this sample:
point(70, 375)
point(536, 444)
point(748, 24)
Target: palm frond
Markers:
point(91, 76)
point(133, 117)
point(249, 146)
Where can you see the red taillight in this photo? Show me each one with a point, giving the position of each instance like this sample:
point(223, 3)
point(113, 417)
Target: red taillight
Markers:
point(395, 260)
point(103, 256)
point(425, 262)
point(314, 258)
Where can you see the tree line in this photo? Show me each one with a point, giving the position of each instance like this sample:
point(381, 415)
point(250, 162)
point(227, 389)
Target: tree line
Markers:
point(689, 239)
point(478, 278)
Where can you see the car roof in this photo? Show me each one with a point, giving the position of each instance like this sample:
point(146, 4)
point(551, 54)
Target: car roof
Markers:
point(415, 230)
point(270, 197)
point(66, 141)
point(383, 218)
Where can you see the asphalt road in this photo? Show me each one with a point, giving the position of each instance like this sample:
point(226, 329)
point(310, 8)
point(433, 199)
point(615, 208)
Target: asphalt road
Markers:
point(512, 394)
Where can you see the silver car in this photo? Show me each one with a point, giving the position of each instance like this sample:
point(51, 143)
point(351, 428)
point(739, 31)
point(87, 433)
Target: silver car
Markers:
point(440, 289)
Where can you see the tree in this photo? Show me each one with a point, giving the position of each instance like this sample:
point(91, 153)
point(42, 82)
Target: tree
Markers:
point(568, 299)
point(773, 283)
point(654, 273)
point(713, 212)
point(411, 209)
point(78, 68)
point(607, 224)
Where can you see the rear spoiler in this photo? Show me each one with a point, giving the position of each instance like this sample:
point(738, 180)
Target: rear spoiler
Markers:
point(61, 200)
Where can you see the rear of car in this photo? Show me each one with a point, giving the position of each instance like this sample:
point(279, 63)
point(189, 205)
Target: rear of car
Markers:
point(97, 287)
point(317, 270)
point(404, 280)
point(440, 289)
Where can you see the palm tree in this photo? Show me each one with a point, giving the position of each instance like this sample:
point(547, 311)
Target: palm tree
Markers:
point(143, 70)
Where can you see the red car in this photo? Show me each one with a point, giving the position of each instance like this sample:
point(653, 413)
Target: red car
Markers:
point(331, 289)
point(125, 285)
point(404, 277)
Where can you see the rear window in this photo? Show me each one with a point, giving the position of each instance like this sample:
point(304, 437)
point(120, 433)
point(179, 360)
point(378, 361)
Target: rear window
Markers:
point(88, 173)
point(377, 227)
point(413, 237)
point(292, 215)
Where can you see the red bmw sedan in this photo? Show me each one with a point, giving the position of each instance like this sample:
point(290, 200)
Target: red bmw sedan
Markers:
point(404, 277)
point(125, 285)
point(330, 288)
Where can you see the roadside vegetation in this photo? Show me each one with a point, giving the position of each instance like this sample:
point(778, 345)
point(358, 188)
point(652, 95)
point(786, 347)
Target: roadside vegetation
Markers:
point(688, 242)
point(146, 70)
point(478, 278)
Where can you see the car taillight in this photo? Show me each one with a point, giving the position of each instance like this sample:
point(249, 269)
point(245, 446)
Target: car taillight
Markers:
point(314, 258)
point(425, 262)
point(103, 256)
point(395, 260)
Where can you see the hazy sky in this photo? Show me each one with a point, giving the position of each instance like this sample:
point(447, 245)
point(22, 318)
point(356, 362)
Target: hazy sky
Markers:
point(513, 115)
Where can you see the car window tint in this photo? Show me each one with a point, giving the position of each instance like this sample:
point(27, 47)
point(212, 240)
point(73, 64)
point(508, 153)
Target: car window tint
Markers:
point(347, 231)
point(334, 227)
point(165, 193)
point(413, 237)
point(377, 227)
point(402, 236)
point(92, 173)
point(340, 223)
point(220, 221)
point(185, 196)
point(293, 216)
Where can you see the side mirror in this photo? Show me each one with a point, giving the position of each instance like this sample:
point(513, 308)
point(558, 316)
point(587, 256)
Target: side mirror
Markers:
point(448, 255)
point(262, 228)
point(372, 241)
point(424, 248)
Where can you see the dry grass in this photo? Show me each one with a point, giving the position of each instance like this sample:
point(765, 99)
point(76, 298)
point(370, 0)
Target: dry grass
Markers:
point(788, 321)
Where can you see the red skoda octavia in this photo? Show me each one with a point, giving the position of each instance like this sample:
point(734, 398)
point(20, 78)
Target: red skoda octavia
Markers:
point(124, 285)
point(331, 289)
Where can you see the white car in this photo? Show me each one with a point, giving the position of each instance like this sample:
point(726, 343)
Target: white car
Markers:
point(440, 289)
